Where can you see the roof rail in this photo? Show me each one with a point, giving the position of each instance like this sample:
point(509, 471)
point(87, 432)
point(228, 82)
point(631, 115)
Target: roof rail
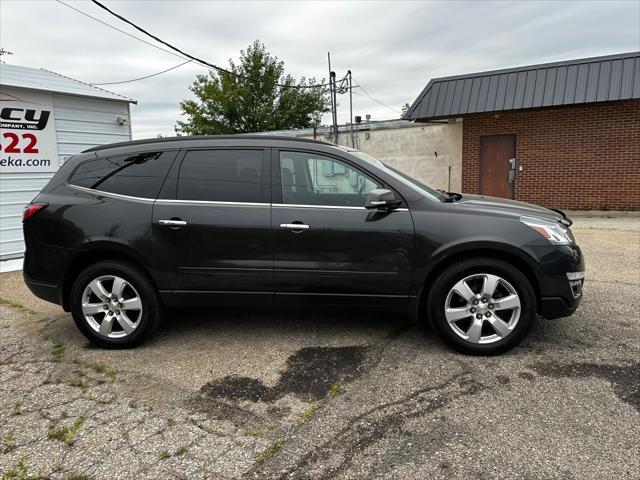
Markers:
point(202, 137)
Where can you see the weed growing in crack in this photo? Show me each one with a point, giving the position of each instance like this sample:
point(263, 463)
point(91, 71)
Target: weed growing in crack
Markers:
point(164, 455)
point(17, 407)
point(261, 431)
point(9, 441)
point(57, 352)
point(182, 449)
point(334, 390)
point(268, 452)
point(19, 471)
point(306, 415)
point(67, 434)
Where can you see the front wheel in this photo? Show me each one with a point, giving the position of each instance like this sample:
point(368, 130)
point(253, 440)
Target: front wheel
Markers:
point(115, 304)
point(482, 306)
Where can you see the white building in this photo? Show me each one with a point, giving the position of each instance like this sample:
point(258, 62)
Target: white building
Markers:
point(44, 118)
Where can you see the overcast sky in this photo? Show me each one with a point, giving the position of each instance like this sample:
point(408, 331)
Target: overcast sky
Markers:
point(392, 48)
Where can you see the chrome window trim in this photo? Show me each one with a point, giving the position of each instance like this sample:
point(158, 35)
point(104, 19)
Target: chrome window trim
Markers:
point(211, 202)
point(339, 207)
point(109, 194)
point(214, 202)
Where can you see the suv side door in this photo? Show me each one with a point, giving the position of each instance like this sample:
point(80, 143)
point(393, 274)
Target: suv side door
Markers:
point(211, 226)
point(341, 252)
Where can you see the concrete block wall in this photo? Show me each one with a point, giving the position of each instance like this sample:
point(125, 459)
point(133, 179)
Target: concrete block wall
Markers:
point(411, 148)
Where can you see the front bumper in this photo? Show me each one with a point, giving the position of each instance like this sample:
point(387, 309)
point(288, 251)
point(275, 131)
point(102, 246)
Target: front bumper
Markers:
point(556, 307)
point(560, 288)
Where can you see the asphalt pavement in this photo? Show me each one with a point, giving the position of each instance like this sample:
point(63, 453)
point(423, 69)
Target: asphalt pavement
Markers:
point(330, 394)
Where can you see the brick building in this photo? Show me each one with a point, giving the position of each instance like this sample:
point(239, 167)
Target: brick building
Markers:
point(563, 135)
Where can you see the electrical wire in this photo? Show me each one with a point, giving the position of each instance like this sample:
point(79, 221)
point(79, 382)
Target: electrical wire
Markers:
point(145, 77)
point(119, 30)
point(196, 59)
point(375, 99)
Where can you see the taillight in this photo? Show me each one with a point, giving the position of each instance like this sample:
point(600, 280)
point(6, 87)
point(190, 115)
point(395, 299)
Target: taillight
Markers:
point(31, 209)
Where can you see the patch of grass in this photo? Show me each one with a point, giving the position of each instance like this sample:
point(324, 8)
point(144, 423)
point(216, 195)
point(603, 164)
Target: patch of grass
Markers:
point(19, 471)
point(261, 431)
point(12, 303)
point(9, 441)
point(334, 390)
point(80, 382)
point(67, 434)
point(57, 352)
point(104, 369)
point(306, 415)
point(17, 407)
point(195, 423)
point(182, 449)
point(270, 451)
point(164, 455)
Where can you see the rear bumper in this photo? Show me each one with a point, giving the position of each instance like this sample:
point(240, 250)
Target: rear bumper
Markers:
point(45, 291)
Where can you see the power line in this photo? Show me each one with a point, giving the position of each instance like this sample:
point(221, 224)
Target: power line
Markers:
point(119, 30)
point(196, 59)
point(375, 99)
point(145, 77)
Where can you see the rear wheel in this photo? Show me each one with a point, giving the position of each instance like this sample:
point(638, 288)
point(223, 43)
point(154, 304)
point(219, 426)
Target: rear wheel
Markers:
point(482, 306)
point(115, 304)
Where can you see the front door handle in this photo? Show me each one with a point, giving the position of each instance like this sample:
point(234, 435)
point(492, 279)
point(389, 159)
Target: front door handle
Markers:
point(172, 223)
point(294, 227)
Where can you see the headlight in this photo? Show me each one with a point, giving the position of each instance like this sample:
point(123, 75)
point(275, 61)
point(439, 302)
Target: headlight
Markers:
point(554, 232)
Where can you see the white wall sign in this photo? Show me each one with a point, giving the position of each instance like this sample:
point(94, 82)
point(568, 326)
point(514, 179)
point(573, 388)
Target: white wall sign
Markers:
point(27, 131)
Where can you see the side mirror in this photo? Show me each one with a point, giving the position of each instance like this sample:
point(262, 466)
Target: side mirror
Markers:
point(381, 199)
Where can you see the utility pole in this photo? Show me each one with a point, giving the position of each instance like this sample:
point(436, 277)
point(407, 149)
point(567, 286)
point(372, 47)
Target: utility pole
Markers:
point(332, 94)
point(353, 145)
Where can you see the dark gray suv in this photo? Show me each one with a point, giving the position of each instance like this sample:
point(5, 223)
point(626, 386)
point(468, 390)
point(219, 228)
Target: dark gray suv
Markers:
point(123, 230)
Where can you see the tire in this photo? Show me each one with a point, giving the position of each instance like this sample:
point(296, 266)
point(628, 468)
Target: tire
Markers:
point(128, 323)
point(506, 316)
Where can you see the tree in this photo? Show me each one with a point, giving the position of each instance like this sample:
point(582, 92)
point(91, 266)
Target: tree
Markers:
point(249, 99)
point(405, 109)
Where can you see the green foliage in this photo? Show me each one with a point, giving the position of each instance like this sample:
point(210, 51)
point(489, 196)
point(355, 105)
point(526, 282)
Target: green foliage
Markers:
point(57, 352)
point(19, 471)
point(227, 104)
point(67, 434)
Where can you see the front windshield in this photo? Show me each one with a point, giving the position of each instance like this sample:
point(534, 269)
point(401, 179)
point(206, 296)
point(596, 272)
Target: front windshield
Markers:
point(403, 177)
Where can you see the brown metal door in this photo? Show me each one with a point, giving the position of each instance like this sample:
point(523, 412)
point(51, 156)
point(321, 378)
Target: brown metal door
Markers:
point(497, 171)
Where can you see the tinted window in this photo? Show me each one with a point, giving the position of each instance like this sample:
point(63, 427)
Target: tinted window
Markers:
point(221, 175)
point(139, 175)
point(310, 179)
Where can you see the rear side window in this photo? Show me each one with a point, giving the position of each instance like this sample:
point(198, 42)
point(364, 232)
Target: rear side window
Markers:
point(221, 176)
point(139, 175)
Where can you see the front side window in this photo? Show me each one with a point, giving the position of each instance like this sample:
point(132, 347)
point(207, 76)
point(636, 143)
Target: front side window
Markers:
point(310, 179)
point(138, 175)
point(221, 176)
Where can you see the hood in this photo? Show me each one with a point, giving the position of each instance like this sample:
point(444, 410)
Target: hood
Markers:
point(504, 206)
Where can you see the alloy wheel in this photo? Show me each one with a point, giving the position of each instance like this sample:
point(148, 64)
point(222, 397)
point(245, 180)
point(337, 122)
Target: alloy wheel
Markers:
point(482, 308)
point(111, 306)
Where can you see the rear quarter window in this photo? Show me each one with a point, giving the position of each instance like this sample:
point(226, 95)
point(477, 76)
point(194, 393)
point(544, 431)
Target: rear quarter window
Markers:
point(222, 175)
point(138, 175)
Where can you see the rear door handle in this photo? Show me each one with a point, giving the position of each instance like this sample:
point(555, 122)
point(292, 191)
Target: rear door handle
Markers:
point(294, 226)
point(172, 223)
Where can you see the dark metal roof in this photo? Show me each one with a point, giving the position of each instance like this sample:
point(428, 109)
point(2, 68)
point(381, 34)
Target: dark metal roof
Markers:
point(597, 79)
